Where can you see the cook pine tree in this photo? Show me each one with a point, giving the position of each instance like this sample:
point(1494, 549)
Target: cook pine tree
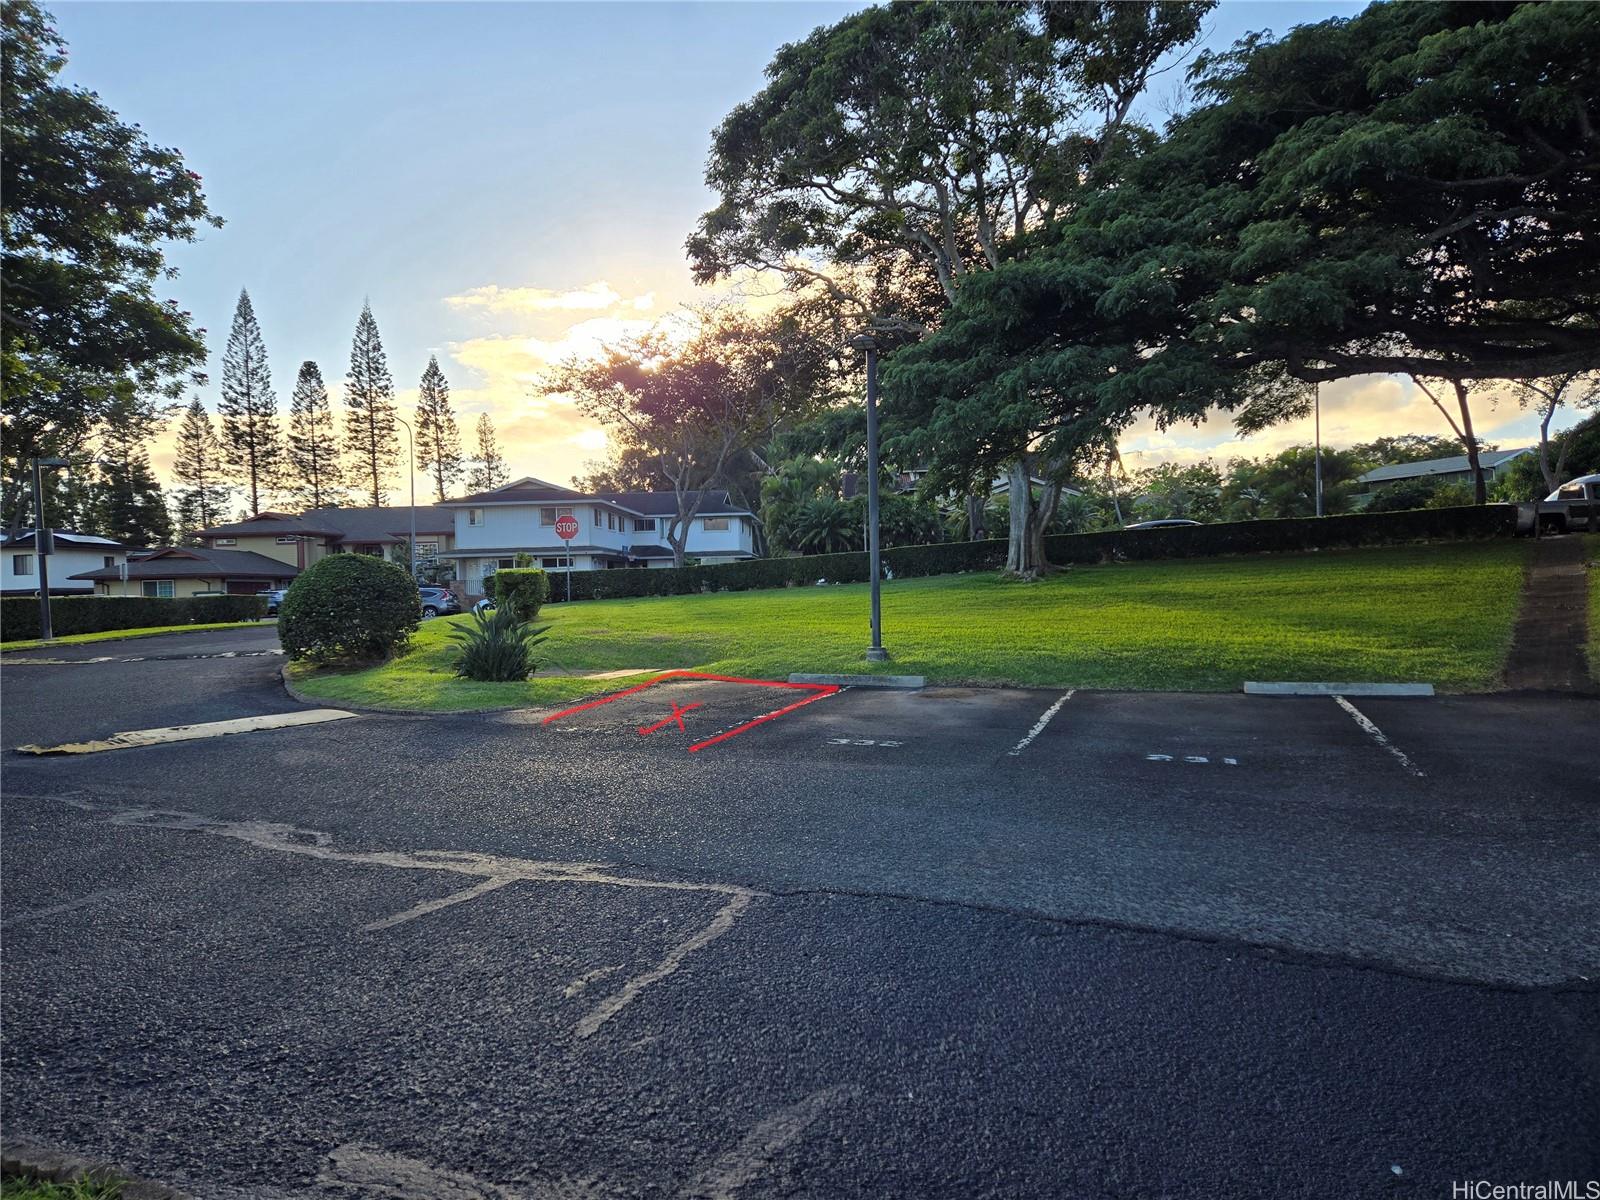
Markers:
point(313, 448)
point(490, 471)
point(370, 437)
point(251, 445)
point(129, 503)
point(197, 465)
point(438, 439)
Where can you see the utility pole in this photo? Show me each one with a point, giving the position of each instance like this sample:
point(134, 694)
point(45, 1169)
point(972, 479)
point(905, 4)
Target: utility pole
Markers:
point(411, 474)
point(43, 544)
point(865, 341)
point(1317, 409)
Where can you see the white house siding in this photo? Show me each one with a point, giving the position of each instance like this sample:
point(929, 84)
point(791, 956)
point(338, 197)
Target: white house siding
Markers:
point(63, 564)
point(721, 545)
point(505, 530)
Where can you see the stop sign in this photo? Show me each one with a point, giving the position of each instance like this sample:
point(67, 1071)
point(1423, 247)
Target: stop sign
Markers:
point(567, 527)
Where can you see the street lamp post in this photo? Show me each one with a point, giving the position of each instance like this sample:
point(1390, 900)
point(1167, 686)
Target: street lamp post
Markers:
point(1317, 409)
point(865, 341)
point(411, 474)
point(43, 544)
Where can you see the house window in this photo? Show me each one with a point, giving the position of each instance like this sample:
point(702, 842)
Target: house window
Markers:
point(714, 524)
point(644, 524)
point(427, 549)
point(159, 589)
point(288, 541)
point(474, 516)
point(224, 541)
point(549, 516)
point(374, 551)
point(109, 560)
point(555, 564)
point(611, 520)
point(22, 564)
point(504, 564)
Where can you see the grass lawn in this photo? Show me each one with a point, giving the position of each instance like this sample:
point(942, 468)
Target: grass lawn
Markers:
point(116, 635)
point(1441, 614)
point(81, 1189)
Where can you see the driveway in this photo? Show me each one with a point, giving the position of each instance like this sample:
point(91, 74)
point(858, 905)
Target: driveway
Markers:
point(949, 943)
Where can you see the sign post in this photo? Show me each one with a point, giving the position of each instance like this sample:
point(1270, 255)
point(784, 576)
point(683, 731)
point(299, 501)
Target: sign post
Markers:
point(566, 530)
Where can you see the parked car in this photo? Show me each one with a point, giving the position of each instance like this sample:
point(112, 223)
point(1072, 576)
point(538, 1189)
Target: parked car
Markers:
point(274, 598)
point(1164, 523)
point(437, 601)
point(1573, 506)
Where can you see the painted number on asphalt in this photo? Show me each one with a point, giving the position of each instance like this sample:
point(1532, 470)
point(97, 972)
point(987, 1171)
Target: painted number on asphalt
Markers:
point(1190, 758)
point(862, 742)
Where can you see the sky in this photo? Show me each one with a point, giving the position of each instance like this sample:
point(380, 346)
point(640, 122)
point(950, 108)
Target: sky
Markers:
point(507, 183)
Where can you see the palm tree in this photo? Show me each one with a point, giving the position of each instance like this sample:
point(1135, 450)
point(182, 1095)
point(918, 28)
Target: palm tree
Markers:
point(826, 526)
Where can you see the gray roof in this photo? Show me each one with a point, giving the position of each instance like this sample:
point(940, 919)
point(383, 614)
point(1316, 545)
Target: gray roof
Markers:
point(644, 504)
point(665, 504)
point(1456, 464)
point(265, 523)
point(521, 492)
point(89, 541)
point(383, 524)
point(197, 562)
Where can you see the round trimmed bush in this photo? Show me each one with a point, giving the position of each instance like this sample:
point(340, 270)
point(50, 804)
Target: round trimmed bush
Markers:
point(348, 606)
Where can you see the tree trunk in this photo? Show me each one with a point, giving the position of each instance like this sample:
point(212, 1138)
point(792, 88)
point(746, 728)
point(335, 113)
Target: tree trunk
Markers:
point(977, 518)
point(1480, 489)
point(1025, 556)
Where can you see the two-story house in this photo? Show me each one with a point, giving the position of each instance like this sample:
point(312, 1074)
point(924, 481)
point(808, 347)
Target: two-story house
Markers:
point(615, 529)
point(74, 554)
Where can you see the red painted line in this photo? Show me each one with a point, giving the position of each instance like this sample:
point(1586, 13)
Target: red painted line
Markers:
point(677, 715)
point(722, 737)
point(823, 689)
point(821, 692)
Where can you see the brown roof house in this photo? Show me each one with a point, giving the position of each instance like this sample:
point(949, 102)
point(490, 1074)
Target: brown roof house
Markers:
point(301, 540)
point(190, 570)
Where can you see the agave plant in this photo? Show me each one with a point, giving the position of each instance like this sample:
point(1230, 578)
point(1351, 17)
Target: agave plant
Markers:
point(496, 647)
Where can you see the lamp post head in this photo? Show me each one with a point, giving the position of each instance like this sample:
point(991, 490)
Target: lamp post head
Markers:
point(863, 341)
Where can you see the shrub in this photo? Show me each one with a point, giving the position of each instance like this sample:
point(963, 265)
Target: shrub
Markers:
point(19, 615)
point(1182, 541)
point(522, 590)
point(496, 647)
point(348, 606)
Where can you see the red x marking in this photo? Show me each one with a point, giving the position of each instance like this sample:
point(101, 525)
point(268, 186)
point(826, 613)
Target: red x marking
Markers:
point(677, 715)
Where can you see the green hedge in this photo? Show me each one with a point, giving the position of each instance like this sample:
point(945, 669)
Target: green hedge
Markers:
point(521, 589)
point(1119, 545)
point(19, 615)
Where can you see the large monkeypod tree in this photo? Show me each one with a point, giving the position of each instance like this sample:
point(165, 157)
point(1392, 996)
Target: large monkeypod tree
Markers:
point(1410, 191)
point(911, 148)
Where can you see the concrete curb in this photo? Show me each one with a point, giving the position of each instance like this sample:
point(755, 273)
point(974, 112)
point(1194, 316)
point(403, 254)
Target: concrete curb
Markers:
point(323, 702)
point(28, 1159)
point(1338, 689)
point(910, 682)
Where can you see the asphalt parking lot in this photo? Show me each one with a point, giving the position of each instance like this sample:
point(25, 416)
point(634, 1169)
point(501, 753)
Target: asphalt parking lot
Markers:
point(943, 943)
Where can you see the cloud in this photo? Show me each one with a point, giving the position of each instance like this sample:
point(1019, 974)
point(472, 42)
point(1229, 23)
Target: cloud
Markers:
point(597, 296)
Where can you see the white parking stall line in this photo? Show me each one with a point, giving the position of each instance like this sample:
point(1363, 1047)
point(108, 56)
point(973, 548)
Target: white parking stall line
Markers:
point(131, 738)
point(1378, 736)
point(1038, 726)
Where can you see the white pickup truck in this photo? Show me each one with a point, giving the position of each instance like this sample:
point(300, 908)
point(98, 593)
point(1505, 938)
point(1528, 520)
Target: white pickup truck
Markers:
point(1572, 507)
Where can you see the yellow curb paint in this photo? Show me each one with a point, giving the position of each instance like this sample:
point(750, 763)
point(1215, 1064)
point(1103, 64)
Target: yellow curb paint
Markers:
point(189, 733)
